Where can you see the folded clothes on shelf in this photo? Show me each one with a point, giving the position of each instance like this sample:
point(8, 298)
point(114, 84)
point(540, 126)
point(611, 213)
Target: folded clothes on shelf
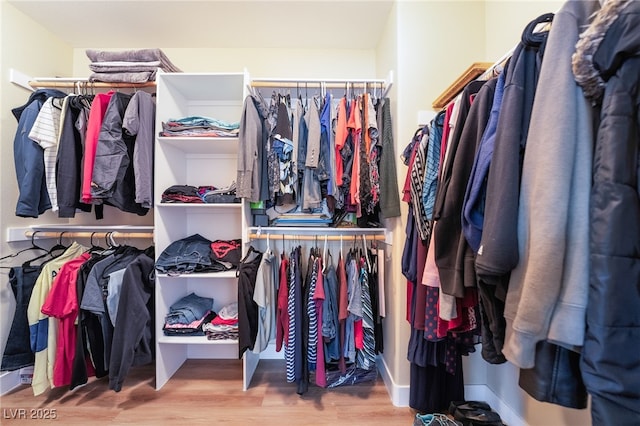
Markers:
point(200, 194)
point(128, 66)
point(194, 328)
point(225, 325)
point(199, 126)
point(188, 309)
point(196, 254)
point(188, 255)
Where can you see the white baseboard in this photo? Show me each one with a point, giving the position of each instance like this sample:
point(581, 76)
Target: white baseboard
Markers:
point(399, 395)
point(9, 380)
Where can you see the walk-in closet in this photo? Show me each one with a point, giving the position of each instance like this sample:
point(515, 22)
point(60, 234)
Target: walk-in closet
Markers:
point(318, 212)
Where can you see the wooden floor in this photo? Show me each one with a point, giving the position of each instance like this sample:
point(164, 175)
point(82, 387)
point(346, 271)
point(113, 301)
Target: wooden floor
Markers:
point(206, 392)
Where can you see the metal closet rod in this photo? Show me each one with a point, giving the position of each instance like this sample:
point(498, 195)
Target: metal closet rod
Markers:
point(319, 237)
point(87, 234)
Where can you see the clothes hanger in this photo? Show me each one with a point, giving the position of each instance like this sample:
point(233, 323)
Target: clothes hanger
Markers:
point(34, 246)
point(94, 247)
point(27, 264)
point(324, 255)
point(366, 254)
point(282, 255)
point(59, 246)
point(112, 241)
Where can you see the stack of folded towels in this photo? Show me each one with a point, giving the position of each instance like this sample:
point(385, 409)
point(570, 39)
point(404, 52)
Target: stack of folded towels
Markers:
point(129, 66)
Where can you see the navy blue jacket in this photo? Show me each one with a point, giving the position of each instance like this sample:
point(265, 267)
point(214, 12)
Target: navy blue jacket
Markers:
point(33, 199)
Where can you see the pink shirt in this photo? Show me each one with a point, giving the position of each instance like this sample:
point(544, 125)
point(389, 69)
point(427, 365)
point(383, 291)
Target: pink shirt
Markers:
point(96, 115)
point(341, 137)
point(282, 317)
point(62, 303)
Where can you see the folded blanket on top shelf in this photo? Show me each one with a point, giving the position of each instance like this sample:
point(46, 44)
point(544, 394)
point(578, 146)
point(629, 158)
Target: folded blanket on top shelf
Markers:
point(141, 55)
point(129, 66)
point(100, 67)
point(123, 77)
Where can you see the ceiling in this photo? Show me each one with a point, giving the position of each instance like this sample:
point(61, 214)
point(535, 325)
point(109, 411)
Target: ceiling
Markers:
point(319, 24)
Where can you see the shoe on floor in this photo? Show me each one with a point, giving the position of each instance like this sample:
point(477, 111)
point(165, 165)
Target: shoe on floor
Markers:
point(477, 417)
point(468, 405)
point(435, 419)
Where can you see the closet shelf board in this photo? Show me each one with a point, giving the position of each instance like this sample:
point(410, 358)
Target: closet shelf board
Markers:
point(202, 145)
point(474, 71)
point(205, 206)
point(207, 275)
point(193, 340)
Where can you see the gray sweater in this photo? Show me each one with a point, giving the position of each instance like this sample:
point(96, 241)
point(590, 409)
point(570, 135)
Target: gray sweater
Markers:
point(548, 288)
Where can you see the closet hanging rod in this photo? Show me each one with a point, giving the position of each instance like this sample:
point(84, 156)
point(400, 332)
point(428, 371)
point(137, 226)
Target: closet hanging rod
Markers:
point(320, 236)
point(86, 234)
point(324, 83)
point(82, 84)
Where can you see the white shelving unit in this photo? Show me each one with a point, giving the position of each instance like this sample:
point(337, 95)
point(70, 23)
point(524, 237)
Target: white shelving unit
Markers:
point(206, 161)
point(196, 161)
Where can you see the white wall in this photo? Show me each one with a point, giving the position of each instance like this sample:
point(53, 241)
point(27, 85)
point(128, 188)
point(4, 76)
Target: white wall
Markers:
point(395, 330)
point(436, 41)
point(505, 20)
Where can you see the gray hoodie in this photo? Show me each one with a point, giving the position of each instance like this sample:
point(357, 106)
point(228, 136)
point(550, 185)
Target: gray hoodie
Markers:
point(547, 294)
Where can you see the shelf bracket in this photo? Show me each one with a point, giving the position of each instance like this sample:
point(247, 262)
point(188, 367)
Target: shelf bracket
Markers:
point(20, 79)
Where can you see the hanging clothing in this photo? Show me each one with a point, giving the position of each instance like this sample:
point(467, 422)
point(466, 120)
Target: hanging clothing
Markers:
point(453, 256)
point(112, 177)
point(139, 121)
point(89, 340)
point(606, 65)
point(247, 308)
point(318, 297)
point(75, 110)
point(282, 317)
point(95, 290)
point(134, 332)
point(389, 197)
point(33, 198)
point(42, 328)
point(62, 303)
point(250, 139)
point(417, 183)
point(264, 295)
point(330, 314)
point(17, 352)
point(96, 115)
point(45, 132)
point(366, 357)
point(292, 343)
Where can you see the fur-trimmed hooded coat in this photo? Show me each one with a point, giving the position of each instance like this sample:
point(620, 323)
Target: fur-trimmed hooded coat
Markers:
point(607, 65)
